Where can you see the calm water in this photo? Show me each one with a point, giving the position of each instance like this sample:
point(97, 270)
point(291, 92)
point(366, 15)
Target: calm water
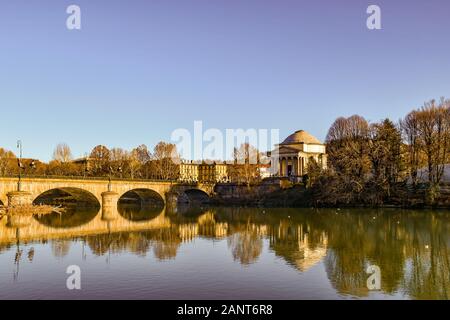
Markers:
point(228, 253)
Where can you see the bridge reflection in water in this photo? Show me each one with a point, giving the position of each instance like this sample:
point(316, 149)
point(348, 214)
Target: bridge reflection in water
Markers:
point(411, 248)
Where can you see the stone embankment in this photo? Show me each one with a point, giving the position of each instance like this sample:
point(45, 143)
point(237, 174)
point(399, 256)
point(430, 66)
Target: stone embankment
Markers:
point(278, 193)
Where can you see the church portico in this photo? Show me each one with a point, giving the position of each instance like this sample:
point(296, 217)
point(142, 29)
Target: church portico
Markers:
point(294, 153)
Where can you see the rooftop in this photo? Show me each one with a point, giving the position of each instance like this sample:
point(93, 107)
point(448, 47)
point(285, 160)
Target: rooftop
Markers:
point(301, 136)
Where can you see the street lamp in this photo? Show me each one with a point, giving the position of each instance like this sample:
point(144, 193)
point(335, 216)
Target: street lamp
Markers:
point(20, 165)
point(109, 176)
point(33, 166)
point(85, 170)
point(111, 170)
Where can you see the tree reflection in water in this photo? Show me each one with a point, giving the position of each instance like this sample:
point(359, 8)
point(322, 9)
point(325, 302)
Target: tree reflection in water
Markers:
point(60, 247)
point(71, 218)
point(410, 247)
point(246, 246)
point(138, 212)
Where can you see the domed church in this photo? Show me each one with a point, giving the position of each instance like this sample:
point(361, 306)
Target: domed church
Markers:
point(291, 157)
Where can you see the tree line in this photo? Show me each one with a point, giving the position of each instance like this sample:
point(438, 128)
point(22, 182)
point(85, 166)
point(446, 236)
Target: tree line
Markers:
point(139, 163)
point(161, 163)
point(370, 162)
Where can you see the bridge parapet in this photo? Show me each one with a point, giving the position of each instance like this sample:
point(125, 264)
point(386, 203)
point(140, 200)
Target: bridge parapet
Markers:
point(34, 187)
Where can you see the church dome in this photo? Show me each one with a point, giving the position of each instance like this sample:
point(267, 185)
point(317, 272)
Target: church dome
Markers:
point(301, 136)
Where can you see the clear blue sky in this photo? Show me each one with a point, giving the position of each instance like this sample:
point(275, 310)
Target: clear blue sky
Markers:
point(140, 69)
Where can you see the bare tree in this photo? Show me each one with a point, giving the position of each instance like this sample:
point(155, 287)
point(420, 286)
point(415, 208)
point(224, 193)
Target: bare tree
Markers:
point(120, 159)
point(5, 160)
point(142, 154)
point(338, 130)
point(134, 165)
point(62, 153)
point(365, 162)
point(166, 160)
point(433, 126)
point(348, 158)
point(409, 126)
point(245, 167)
point(139, 161)
point(347, 145)
point(100, 157)
point(118, 154)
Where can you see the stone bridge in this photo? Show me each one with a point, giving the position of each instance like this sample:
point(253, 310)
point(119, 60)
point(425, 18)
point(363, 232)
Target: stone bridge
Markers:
point(106, 193)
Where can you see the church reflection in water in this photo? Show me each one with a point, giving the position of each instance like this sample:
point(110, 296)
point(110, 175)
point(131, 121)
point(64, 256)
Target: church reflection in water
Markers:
point(411, 248)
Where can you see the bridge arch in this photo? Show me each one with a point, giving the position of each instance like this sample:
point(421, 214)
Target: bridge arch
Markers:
point(142, 197)
point(81, 207)
point(71, 218)
point(68, 196)
point(194, 196)
point(140, 204)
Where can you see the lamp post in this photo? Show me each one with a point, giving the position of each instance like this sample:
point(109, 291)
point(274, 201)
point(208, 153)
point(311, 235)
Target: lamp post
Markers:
point(111, 170)
point(109, 176)
point(20, 165)
point(33, 164)
point(85, 169)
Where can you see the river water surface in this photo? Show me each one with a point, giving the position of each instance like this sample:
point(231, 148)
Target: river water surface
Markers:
point(228, 253)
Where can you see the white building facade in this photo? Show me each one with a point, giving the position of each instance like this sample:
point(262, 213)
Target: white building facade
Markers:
point(291, 157)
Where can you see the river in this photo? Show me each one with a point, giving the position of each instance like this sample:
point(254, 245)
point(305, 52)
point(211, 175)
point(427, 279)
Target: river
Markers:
point(229, 253)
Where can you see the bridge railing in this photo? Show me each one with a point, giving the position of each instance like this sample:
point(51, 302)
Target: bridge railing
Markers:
point(114, 178)
point(33, 176)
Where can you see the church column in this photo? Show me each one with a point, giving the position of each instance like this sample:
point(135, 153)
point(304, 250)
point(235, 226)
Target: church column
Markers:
point(294, 166)
point(291, 161)
point(280, 166)
point(286, 172)
point(302, 165)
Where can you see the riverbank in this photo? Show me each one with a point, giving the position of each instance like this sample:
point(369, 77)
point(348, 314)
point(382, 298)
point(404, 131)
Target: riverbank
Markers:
point(298, 196)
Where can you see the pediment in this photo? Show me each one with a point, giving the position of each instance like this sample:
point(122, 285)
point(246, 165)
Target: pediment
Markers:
point(287, 150)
